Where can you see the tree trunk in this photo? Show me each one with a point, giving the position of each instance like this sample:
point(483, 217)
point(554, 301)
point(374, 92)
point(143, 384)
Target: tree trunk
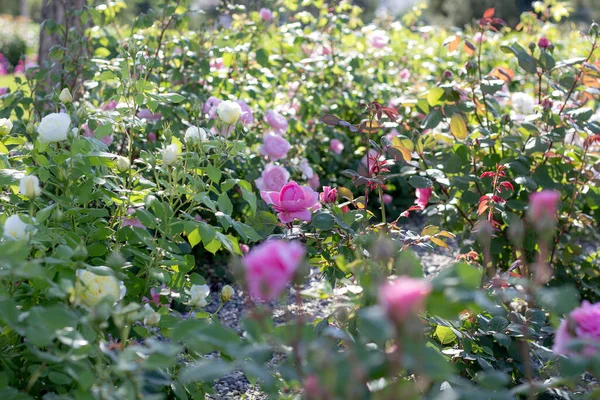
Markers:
point(62, 12)
point(24, 9)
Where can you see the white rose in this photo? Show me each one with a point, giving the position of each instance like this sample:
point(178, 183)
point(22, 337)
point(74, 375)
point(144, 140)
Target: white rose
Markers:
point(198, 295)
point(54, 127)
point(229, 112)
point(65, 96)
point(91, 288)
point(170, 154)
point(30, 186)
point(151, 317)
point(194, 134)
point(123, 164)
point(5, 126)
point(15, 228)
point(522, 103)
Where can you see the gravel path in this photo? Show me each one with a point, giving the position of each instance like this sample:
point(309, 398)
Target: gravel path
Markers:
point(235, 385)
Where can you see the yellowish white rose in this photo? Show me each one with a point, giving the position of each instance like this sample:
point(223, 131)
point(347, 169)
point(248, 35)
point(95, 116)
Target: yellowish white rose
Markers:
point(5, 126)
point(151, 317)
point(15, 228)
point(30, 186)
point(229, 112)
point(65, 96)
point(170, 154)
point(123, 164)
point(226, 293)
point(91, 288)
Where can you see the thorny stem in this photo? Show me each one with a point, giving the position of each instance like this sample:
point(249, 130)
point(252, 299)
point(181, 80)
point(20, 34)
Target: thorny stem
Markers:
point(487, 119)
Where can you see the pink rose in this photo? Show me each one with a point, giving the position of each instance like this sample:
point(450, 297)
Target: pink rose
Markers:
point(275, 147)
point(247, 116)
point(273, 178)
point(403, 297)
point(3, 90)
point(107, 140)
point(277, 122)
point(131, 221)
point(583, 323)
point(387, 199)
point(152, 137)
point(293, 202)
point(423, 196)
point(210, 107)
point(307, 171)
point(543, 205)
point(314, 182)
point(479, 37)
point(378, 39)
point(404, 75)
point(244, 248)
point(329, 195)
point(270, 267)
point(111, 105)
point(336, 146)
point(543, 43)
point(87, 132)
point(145, 113)
point(266, 14)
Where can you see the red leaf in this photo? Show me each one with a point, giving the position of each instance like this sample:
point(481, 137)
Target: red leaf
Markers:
point(489, 13)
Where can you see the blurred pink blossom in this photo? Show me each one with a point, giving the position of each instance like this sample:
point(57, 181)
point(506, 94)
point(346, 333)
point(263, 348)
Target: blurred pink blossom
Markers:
point(336, 146)
point(583, 323)
point(275, 147)
point(266, 14)
point(145, 113)
point(277, 122)
point(403, 297)
point(423, 196)
point(270, 267)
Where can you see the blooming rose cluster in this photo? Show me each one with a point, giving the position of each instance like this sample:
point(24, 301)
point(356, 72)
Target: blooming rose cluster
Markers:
point(293, 202)
point(582, 324)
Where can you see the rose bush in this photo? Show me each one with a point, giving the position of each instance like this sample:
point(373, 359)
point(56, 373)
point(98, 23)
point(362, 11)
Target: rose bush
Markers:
point(152, 170)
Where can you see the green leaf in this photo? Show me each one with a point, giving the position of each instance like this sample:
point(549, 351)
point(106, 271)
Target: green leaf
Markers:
point(444, 334)
point(250, 199)
point(213, 173)
point(173, 97)
point(103, 130)
point(323, 221)
point(420, 182)
point(434, 96)
point(225, 204)
point(498, 324)
point(262, 57)
point(205, 371)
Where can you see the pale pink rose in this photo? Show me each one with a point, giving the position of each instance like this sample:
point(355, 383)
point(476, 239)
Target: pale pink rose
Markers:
point(394, 133)
point(277, 122)
point(111, 105)
point(3, 90)
point(479, 38)
point(270, 267)
point(247, 116)
point(217, 64)
point(146, 114)
point(404, 75)
point(423, 196)
point(387, 199)
point(131, 221)
point(107, 140)
point(293, 202)
point(403, 297)
point(314, 182)
point(329, 195)
point(543, 205)
point(210, 107)
point(293, 89)
point(244, 248)
point(273, 178)
point(583, 324)
point(378, 39)
point(275, 147)
point(307, 171)
point(266, 14)
point(336, 146)
point(326, 50)
point(87, 132)
point(152, 137)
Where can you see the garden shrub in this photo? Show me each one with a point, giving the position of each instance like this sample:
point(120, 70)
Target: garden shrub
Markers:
point(294, 146)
